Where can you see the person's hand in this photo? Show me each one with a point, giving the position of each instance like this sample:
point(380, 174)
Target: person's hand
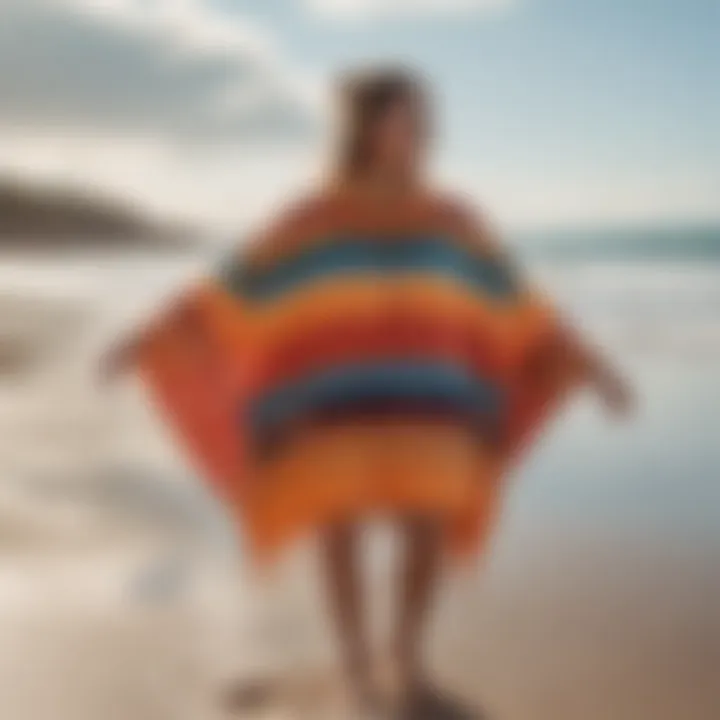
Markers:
point(115, 361)
point(615, 393)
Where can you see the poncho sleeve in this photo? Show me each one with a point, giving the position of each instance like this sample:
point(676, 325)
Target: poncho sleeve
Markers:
point(545, 371)
point(196, 362)
point(200, 356)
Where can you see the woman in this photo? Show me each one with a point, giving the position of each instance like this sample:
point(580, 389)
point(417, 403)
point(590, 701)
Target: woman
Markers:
point(371, 352)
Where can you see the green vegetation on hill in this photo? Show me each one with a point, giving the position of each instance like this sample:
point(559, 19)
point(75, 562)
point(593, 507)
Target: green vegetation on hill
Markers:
point(32, 216)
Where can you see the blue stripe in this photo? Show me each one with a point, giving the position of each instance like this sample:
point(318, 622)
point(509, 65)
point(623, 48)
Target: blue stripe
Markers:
point(445, 383)
point(353, 255)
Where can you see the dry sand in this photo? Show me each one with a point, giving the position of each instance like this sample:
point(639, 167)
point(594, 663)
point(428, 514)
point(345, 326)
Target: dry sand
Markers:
point(119, 597)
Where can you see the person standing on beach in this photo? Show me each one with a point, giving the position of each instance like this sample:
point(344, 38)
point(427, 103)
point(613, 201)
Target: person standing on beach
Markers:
point(370, 353)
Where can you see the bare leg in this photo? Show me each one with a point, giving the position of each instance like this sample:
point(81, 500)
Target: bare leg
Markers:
point(344, 588)
point(420, 699)
point(422, 563)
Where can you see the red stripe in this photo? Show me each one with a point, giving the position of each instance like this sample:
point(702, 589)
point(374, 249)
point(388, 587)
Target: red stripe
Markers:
point(400, 336)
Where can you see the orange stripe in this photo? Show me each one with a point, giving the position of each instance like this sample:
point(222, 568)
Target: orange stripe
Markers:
point(338, 212)
point(359, 300)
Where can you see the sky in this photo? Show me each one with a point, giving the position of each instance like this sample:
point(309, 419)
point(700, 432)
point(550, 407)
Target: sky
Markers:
point(552, 112)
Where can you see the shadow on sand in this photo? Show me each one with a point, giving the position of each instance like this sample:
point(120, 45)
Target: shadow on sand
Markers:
point(254, 698)
point(432, 704)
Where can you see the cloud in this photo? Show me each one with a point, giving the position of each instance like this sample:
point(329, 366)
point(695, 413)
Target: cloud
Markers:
point(354, 10)
point(174, 69)
point(170, 104)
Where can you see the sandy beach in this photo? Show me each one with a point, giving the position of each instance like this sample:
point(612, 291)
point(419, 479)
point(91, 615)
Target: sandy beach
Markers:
point(123, 595)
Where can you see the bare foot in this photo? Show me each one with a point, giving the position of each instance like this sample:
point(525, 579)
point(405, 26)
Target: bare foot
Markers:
point(423, 701)
point(250, 696)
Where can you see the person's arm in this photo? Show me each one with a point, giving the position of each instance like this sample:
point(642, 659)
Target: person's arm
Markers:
point(122, 356)
point(596, 369)
point(609, 383)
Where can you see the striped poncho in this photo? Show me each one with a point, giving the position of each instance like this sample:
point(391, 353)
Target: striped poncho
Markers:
point(361, 357)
